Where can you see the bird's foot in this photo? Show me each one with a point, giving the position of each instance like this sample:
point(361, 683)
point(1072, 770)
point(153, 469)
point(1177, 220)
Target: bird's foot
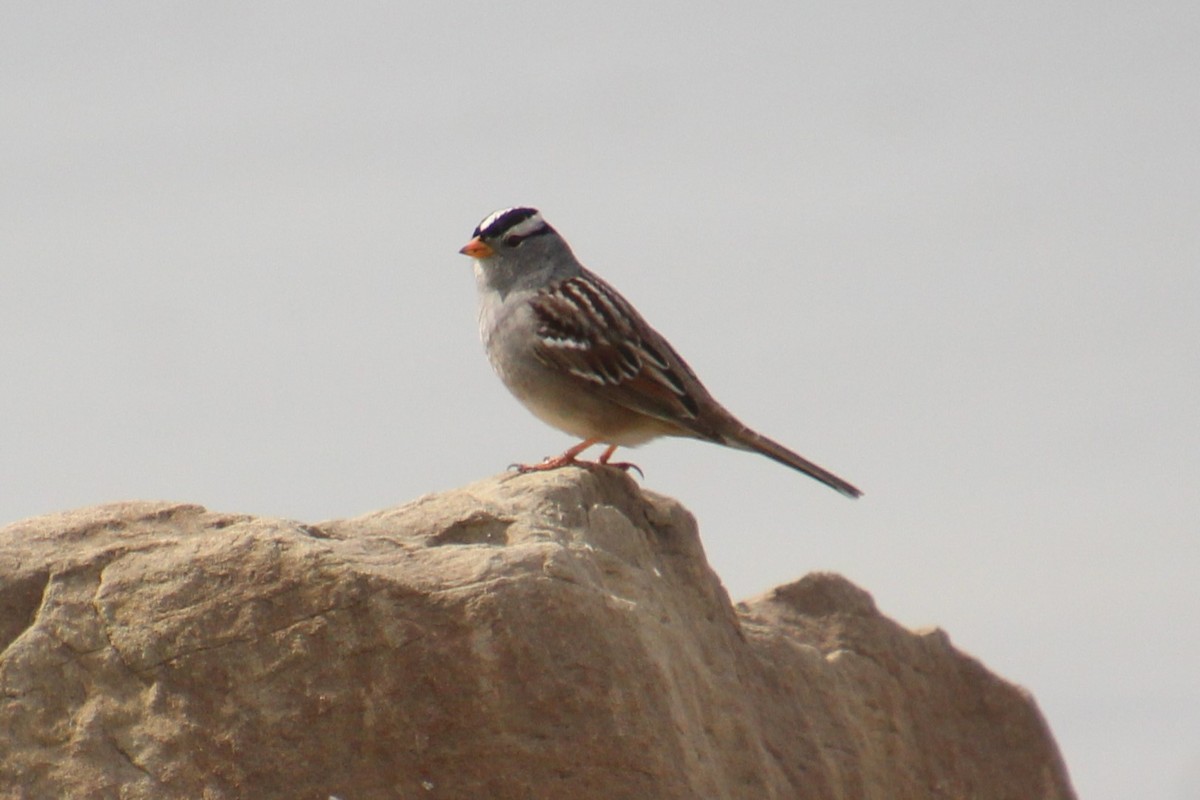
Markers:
point(562, 461)
point(546, 464)
point(554, 462)
point(624, 466)
point(568, 459)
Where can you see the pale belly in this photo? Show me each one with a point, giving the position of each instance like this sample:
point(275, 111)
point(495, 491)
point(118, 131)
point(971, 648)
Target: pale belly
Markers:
point(562, 401)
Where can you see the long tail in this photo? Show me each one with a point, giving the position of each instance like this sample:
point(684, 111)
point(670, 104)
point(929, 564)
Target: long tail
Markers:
point(753, 441)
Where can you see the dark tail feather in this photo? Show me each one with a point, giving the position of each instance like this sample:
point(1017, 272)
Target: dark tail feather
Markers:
point(756, 442)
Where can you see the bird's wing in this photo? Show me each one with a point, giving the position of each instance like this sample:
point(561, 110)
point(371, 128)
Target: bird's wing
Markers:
point(585, 328)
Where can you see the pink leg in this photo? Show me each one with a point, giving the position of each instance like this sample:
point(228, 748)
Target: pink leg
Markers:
point(625, 465)
point(558, 461)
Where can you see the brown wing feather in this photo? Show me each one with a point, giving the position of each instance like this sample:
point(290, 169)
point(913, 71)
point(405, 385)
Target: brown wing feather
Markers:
point(588, 330)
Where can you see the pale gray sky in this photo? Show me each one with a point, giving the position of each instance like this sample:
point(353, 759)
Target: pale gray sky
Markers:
point(951, 252)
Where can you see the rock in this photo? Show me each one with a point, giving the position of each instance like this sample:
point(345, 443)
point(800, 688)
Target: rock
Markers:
point(556, 635)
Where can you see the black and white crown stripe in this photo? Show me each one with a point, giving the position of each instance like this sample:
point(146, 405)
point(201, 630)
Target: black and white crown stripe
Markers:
point(512, 225)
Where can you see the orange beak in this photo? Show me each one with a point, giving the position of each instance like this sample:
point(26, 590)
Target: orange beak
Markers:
point(476, 249)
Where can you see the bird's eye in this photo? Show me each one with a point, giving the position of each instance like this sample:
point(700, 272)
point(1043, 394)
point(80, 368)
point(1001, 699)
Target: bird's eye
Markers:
point(512, 241)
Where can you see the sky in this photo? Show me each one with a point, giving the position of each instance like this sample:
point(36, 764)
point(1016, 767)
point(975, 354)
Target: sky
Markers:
point(950, 252)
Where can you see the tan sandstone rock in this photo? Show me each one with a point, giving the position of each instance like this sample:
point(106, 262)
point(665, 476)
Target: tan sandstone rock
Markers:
point(542, 636)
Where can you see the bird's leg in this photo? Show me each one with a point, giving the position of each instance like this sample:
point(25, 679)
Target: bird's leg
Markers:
point(623, 465)
point(555, 462)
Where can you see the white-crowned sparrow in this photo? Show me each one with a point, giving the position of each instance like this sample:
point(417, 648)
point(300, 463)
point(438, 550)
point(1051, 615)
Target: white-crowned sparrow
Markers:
point(583, 360)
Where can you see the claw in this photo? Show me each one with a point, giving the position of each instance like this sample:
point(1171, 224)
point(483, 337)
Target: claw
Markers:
point(548, 463)
point(568, 458)
point(625, 466)
point(621, 465)
point(545, 465)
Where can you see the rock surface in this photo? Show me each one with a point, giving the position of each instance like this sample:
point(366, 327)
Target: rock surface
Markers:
point(542, 636)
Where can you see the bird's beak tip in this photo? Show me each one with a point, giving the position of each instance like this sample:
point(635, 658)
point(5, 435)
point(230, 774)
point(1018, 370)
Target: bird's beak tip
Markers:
point(476, 249)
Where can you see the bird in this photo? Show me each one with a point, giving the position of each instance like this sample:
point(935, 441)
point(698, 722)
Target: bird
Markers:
point(582, 359)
